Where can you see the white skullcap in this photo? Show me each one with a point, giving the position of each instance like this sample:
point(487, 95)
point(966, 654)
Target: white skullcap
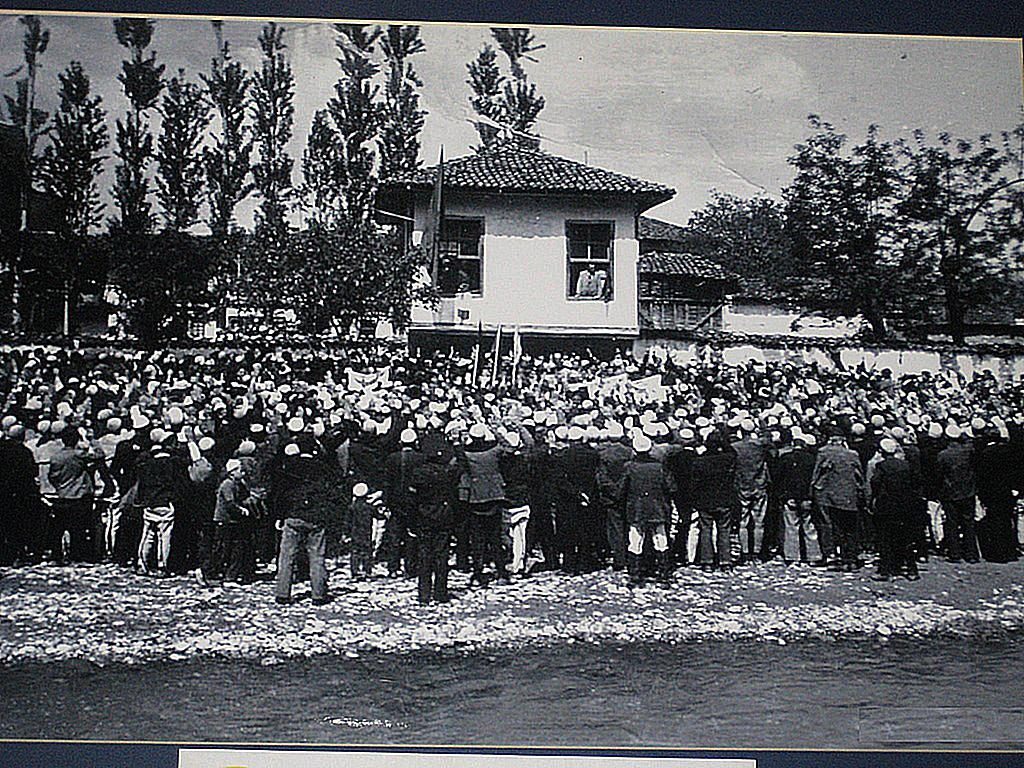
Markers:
point(295, 424)
point(561, 432)
point(888, 445)
point(246, 448)
point(747, 425)
point(477, 431)
point(877, 420)
point(408, 437)
point(206, 443)
point(175, 416)
point(953, 432)
point(291, 450)
point(615, 430)
point(641, 443)
point(360, 489)
point(232, 465)
point(576, 433)
point(934, 430)
point(513, 439)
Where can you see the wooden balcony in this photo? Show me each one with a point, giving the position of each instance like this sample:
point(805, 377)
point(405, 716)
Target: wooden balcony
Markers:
point(679, 314)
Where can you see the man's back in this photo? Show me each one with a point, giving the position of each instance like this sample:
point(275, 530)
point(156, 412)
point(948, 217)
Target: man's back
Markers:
point(751, 465)
point(956, 472)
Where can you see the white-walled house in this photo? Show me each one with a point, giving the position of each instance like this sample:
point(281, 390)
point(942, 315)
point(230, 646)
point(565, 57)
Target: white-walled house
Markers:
point(529, 239)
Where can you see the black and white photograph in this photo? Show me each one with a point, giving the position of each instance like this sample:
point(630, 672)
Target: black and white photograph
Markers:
point(449, 384)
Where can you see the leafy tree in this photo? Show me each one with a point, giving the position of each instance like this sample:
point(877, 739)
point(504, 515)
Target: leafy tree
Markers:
point(747, 237)
point(142, 80)
point(272, 96)
point(331, 277)
point(161, 278)
point(228, 160)
point(511, 101)
point(73, 161)
point(356, 117)
point(956, 211)
point(319, 164)
point(401, 119)
point(179, 182)
point(841, 211)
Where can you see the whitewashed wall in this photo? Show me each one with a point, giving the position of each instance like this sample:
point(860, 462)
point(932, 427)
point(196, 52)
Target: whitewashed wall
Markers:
point(524, 266)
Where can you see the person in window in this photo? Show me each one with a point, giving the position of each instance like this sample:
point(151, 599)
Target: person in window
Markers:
point(591, 282)
point(600, 282)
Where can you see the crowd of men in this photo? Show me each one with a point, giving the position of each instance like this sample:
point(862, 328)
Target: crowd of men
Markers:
point(211, 463)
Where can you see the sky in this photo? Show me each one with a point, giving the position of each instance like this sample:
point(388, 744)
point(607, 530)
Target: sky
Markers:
point(696, 110)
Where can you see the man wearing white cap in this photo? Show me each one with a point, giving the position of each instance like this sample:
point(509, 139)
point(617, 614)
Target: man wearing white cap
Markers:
point(957, 490)
point(399, 542)
point(647, 495)
point(893, 495)
point(307, 499)
point(159, 487)
point(793, 472)
point(838, 487)
point(612, 456)
point(931, 444)
point(578, 512)
point(481, 488)
point(752, 454)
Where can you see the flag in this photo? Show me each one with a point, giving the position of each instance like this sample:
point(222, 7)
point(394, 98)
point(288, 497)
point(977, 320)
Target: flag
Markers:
point(496, 362)
point(476, 353)
point(517, 354)
point(432, 229)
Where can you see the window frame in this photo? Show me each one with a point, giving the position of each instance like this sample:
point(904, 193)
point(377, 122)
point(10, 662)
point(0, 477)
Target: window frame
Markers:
point(569, 261)
point(479, 251)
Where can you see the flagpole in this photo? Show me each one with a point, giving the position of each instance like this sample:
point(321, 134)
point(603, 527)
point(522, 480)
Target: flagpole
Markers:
point(436, 218)
point(497, 356)
point(476, 353)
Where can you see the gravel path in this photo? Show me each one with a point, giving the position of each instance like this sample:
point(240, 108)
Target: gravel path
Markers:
point(102, 614)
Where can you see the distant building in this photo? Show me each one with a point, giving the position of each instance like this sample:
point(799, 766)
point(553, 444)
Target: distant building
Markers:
point(532, 240)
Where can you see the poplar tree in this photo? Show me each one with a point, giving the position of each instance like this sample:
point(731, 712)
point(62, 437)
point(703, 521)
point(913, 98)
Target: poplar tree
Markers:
point(273, 92)
point(356, 117)
point(22, 110)
point(510, 100)
point(319, 163)
point(179, 182)
point(401, 117)
point(227, 161)
point(72, 163)
point(142, 80)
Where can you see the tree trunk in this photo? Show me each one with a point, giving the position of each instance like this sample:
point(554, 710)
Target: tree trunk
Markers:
point(955, 314)
point(879, 330)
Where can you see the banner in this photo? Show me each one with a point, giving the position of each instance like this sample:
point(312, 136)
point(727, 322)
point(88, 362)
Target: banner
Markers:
point(367, 381)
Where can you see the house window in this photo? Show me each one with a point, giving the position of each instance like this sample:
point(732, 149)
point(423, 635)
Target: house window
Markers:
point(460, 257)
point(589, 257)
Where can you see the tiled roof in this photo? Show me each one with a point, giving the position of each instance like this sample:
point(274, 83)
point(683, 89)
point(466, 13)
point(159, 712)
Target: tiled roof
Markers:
point(656, 229)
point(519, 169)
point(684, 264)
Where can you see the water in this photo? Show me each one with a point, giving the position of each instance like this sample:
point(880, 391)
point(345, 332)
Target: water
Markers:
point(955, 693)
